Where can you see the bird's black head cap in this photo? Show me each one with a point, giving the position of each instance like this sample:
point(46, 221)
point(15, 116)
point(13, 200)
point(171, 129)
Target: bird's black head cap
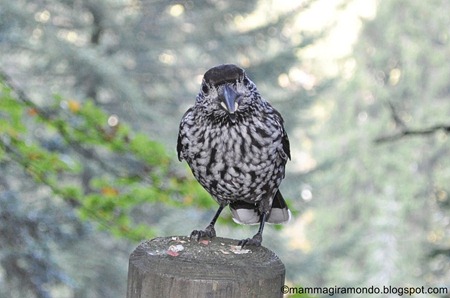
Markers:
point(223, 74)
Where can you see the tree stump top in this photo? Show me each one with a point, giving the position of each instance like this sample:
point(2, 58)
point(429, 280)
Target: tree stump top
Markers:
point(218, 266)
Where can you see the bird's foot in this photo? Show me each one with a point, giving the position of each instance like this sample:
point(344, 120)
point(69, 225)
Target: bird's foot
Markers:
point(209, 232)
point(255, 241)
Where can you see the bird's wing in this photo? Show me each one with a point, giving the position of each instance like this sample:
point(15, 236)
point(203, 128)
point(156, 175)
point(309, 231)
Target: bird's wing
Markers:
point(284, 136)
point(285, 142)
point(180, 135)
point(179, 147)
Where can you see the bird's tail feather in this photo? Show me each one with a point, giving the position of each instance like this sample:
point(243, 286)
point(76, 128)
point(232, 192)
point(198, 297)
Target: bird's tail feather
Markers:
point(280, 212)
point(244, 213)
point(247, 213)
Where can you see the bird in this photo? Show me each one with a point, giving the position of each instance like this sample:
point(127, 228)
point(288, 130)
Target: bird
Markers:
point(237, 148)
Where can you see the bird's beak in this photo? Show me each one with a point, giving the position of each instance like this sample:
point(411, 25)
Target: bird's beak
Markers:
point(229, 100)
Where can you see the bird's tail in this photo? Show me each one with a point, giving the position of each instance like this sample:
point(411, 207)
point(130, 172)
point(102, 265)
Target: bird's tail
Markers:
point(247, 213)
point(280, 212)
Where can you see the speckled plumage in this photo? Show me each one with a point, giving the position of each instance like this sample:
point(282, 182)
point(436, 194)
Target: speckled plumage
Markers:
point(237, 148)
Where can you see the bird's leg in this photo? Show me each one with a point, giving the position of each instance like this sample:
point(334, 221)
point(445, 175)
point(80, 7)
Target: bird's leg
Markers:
point(209, 232)
point(257, 239)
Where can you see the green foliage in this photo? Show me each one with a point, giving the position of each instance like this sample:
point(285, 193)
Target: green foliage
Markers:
point(111, 196)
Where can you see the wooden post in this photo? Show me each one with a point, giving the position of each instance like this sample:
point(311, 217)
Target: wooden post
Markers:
point(178, 267)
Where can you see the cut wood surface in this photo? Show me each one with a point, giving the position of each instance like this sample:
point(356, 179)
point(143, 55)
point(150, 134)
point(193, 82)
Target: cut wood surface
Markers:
point(180, 267)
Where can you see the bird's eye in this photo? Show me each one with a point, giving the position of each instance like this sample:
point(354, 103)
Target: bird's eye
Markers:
point(205, 88)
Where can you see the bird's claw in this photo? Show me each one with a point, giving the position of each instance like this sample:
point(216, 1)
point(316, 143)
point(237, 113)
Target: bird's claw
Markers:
point(209, 232)
point(255, 241)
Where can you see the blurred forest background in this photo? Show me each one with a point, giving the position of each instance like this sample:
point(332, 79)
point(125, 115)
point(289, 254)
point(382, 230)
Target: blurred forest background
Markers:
point(92, 91)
